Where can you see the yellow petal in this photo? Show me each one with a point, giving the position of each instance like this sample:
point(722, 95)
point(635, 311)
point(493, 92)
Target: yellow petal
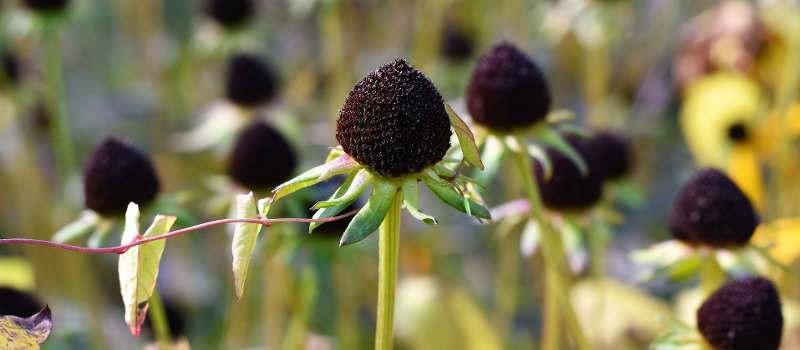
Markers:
point(744, 170)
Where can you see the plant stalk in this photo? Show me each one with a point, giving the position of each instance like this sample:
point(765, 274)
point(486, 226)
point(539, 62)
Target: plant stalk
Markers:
point(60, 134)
point(389, 242)
point(553, 253)
point(158, 318)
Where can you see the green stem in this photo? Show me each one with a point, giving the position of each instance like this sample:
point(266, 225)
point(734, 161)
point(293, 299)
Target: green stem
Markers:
point(158, 318)
point(551, 334)
point(711, 274)
point(597, 239)
point(552, 251)
point(387, 274)
point(56, 102)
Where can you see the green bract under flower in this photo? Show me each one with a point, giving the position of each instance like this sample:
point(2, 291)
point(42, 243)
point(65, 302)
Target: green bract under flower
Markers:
point(395, 131)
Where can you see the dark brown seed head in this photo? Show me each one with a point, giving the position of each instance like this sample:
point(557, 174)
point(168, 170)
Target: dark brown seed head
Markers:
point(230, 13)
point(394, 121)
point(738, 133)
point(46, 5)
point(712, 210)
point(17, 303)
point(507, 90)
point(10, 68)
point(568, 189)
point(456, 44)
point(117, 174)
point(249, 82)
point(613, 153)
point(262, 158)
point(744, 314)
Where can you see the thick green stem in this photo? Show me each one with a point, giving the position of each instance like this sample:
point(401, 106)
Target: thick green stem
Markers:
point(56, 102)
point(552, 251)
point(158, 318)
point(387, 274)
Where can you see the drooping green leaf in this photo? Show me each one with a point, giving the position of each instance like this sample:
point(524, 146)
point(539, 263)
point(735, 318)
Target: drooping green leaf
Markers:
point(244, 240)
point(86, 223)
point(332, 211)
point(411, 199)
point(359, 183)
point(544, 160)
point(370, 217)
point(340, 165)
point(138, 267)
point(554, 140)
point(465, 138)
point(451, 197)
point(25, 333)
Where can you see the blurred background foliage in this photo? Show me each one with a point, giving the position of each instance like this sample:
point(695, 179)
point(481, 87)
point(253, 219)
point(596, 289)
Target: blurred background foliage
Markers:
point(678, 79)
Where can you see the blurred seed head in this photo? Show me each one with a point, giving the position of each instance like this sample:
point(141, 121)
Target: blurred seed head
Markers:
point(117, 174)
point(10, 68)
point(261, 158)
point(17, 303)
point(744, 314)
point(710, 209)
point(456, 44)
point(249, 81)
point(46, 5)
point(613, 153)
point(738, 133)
point(507, 89)
point(394, 121)
point(230, 13)
point(568, 189)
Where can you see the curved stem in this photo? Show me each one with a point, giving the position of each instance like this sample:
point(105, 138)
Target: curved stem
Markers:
point(553, 252)
point(387, 274)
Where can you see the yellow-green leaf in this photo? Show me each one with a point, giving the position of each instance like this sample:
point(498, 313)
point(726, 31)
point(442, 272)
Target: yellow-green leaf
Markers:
point(465, 138)
point(244, 240)
point(25, 333)
point(138, 267)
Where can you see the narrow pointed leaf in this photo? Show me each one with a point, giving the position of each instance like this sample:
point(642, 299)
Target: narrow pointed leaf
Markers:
point(554, 139)
point(25, 333)
point(359, 183)
point(411, 200)
point(85, 224)
point(454, 199)
point(465, 138)
point(544, 160)
point(340, 165)
point(138, 267)
point(370, 217)
point(244, 240)
point(329, 212)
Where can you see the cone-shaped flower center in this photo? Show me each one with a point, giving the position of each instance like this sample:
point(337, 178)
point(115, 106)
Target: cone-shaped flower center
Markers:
point(230, 13)
point(250, 82)
point(262, 158)
point(394, 121)
point(568, 188)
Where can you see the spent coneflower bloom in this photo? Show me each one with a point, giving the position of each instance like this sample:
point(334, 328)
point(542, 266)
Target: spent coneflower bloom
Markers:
point(394, 131)
point(743, 314)
point(44, 6)
point(229, 13)
point(613, 152)
point(249, 81)
point(9, 70)
point(565, 188)
point(262, 158)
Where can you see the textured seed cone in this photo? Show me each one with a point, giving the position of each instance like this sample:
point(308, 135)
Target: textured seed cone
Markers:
point(613, 153)
point(744, 314)
point(10, 68)
point(249, 82)
point(46, 5)
point(17, 303)
point(507, 90)
point(262, 158)
point(394, 121)
point(117, 174)
point(568, 189)
point(230, 13)
point(712, 210)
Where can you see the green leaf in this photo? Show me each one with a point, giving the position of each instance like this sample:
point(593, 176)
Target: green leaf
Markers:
point(86, 222)
point(370, 217)
point(25, 333)
point(138, 267)
point(465, 138)
point(411, 199)
point(358, 184)
point(244, 240)
point(454, 199)
point(101, 232)
point(329, 212)
point(544, 160)
point(554, 140)
point(340, 165)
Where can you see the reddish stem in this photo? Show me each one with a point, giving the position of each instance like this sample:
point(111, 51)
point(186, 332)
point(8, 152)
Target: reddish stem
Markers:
point(123, 248)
